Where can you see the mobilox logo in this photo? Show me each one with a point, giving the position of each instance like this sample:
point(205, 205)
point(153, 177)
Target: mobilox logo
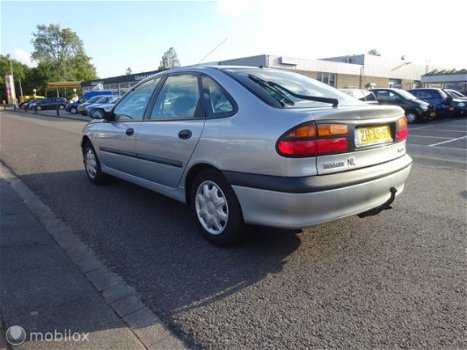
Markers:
point(16, 335)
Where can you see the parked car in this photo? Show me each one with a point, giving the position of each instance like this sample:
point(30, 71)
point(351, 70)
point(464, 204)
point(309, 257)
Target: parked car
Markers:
point(26, 102)
point(30, 103)
point(49, 103)
point(28, 99)
point(438, 98)
point(459, 102)
point(455, 94)
point(245, 145)
point(415, 109)
point(86, 107)
point(72, 107)
point(362, 95)
point(98, 111)
point(91, 101)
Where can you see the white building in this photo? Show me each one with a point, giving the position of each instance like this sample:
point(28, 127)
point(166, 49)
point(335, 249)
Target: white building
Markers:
point(344, 71)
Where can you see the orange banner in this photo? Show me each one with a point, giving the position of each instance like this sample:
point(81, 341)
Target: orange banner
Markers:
point(59, 84)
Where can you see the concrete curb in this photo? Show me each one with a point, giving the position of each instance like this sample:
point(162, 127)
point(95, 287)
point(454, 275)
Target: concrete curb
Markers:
point(123, 299)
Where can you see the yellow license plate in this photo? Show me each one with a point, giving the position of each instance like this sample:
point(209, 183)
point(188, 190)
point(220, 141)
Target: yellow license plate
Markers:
point(433, 114)
point(373, 135)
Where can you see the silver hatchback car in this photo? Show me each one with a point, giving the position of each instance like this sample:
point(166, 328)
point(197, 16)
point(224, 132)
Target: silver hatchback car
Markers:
point(245, 145)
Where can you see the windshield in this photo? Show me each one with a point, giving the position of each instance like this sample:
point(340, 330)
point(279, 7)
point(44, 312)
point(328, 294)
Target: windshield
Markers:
point(453, 93)
point(94, 99)
point(406, 94)
point(443, 94)
point(102, 99)
point(288, 89)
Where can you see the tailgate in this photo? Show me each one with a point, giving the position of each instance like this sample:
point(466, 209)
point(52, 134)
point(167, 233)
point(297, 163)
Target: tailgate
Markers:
point(372, 138)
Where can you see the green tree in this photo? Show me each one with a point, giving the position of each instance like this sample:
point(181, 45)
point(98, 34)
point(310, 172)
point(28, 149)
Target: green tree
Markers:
point(169, 60)
point(63, 52)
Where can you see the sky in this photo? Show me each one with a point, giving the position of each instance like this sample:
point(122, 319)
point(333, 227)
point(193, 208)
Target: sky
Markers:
point(135, 34)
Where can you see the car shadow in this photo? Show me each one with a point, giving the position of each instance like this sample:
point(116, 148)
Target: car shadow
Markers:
point(153, 244)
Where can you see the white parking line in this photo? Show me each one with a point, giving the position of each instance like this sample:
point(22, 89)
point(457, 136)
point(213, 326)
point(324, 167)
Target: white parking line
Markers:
point(451, 130)
point(443, 142)
point(442, 124)
point(431, 137)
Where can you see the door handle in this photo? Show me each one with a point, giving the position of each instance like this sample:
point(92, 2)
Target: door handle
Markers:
point(184, 134)
point(129, 131)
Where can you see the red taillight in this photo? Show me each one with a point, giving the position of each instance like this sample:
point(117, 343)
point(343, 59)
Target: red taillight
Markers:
point(402, 130)
point(332, 145)
point(402, 134)
point(310, 140)
point(297, 148)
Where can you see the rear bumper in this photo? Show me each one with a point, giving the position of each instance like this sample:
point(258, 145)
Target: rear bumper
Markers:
point(320, 204)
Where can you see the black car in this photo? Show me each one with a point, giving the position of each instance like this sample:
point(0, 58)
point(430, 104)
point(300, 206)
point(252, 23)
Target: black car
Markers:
point(50, 103)
point(415, 109)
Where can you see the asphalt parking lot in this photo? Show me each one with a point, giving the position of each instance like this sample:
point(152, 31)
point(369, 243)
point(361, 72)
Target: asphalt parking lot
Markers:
point(450, 133)
point(444, 139)
point(393, 281)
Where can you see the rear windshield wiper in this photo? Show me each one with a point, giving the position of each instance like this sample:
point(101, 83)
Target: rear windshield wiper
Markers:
point(284, 99)
point(333, 101)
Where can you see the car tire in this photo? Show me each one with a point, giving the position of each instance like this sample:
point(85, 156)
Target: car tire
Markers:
point(215, 208)
point(38, 108)
point(73, 110)
point(61, 107)
point(412, 117)
point(92, 165)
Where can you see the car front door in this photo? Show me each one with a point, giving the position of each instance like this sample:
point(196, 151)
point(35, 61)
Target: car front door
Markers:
point(166, 140)
point(114, 141)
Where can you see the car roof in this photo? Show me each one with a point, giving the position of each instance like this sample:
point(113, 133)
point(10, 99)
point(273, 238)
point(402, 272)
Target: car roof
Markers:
point(425, 89)
point(392, 89)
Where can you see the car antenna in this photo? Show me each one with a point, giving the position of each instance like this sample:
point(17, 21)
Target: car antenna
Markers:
point(214, 49)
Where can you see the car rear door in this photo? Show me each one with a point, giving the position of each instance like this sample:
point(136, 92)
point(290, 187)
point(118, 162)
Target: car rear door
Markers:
point(166, 140)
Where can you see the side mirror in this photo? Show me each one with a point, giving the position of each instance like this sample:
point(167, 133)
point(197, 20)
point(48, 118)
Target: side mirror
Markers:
point(109, 116)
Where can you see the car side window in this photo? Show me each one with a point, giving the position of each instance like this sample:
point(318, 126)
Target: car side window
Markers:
point(383, 95)
point(424, 95)
point(219, 102)
point(179, 98)
point(133, 105)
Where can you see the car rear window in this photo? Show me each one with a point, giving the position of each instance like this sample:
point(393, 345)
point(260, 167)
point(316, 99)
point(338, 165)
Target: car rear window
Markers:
point(264, 84)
